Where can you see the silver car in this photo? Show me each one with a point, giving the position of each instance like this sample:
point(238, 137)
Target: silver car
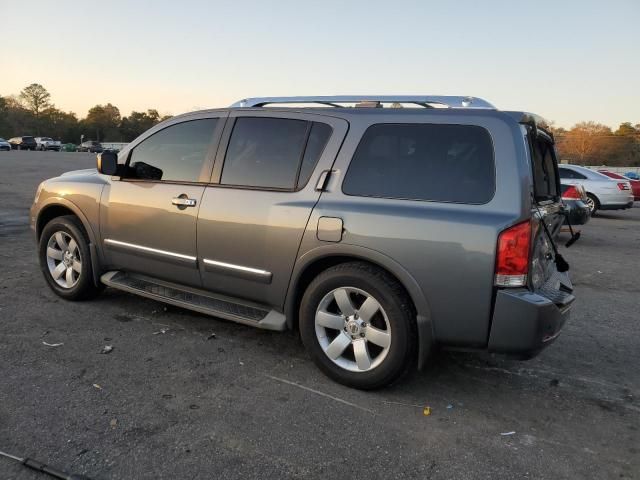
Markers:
point(378, 233)
point(603, 193)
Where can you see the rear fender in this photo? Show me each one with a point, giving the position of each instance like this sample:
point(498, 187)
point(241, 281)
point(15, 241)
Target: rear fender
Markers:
point(423, 315)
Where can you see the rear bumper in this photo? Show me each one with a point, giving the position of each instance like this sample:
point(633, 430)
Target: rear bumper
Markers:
point(578, 212)
point(616, 199)
point(618, 206)
point(525, 322)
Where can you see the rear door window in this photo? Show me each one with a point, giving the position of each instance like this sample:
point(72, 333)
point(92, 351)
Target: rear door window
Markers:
point(443, 163)
point(568, 173)
point(273, 153)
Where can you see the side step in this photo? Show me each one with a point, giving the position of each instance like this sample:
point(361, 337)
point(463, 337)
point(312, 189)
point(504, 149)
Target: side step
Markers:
point(208, 304)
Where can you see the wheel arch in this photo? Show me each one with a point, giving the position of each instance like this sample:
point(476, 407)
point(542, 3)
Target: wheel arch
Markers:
point(315, 261)
point(589, 192)
point(57, 207)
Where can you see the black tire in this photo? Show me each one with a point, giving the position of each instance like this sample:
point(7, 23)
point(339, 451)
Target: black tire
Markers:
point(596, 204)
point(394, 301)
point(84, 287)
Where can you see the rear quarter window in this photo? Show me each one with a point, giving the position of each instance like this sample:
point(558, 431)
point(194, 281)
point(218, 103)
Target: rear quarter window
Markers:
point(432, 162)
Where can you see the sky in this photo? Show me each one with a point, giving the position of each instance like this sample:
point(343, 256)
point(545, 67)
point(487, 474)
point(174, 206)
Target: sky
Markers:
point(568, 61)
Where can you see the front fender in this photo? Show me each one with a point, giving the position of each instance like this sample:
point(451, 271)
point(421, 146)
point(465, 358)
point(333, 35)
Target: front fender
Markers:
point(95, 247)
point(63, 202)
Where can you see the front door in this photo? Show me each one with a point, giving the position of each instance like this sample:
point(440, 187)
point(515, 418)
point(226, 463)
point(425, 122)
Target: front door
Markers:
point(148, 216)
point(263, 189)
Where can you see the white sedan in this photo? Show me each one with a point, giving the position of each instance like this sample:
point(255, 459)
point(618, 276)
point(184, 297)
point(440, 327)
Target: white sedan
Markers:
point(603, 193)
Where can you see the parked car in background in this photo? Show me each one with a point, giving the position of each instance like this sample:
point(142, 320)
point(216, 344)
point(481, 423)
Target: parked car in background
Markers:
point(635, 184)
point(603, 193)
point(574, 198)
point(363, 227)
point(69, 147)
point(23, 143)
point(47, 143)
point(4, 145)
point(90, 146)
point(632, 175)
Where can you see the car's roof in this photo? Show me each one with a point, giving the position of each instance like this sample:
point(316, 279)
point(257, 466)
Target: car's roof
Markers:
point(358, 112)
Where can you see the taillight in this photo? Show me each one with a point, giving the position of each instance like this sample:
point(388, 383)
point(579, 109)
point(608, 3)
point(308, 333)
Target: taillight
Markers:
point(512, 262)
point(571, 193)
point(623, 186)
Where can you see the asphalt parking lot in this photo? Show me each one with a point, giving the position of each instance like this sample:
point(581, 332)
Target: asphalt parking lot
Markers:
point(170, 402)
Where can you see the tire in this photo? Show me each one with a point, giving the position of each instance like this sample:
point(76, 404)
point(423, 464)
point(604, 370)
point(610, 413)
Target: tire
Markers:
point(593, 203)
point(385, 335)
point(59, 235)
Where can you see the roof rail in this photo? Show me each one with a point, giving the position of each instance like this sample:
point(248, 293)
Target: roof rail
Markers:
point(426, 101)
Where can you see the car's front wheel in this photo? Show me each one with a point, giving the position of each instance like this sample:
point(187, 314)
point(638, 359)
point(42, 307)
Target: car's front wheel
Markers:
point(358, 325)
point(65, 259)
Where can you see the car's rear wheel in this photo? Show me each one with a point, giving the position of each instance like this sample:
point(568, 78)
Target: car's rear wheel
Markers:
point(593, 203)
point(358, 325)
point(65, 259)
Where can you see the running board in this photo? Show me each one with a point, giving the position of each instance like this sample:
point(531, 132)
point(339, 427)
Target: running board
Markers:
point(208, 304)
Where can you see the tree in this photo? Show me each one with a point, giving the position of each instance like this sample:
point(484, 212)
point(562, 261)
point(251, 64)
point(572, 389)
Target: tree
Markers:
point(20, 121)
point(61, 125)
point(33, 113)
point(4, 117)
point(626, 129)
point(103, 120)
point(35, 98)
point(137, 123)
point(583, 140)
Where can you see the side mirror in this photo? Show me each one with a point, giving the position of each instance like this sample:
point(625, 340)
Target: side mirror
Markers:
point(107, 163)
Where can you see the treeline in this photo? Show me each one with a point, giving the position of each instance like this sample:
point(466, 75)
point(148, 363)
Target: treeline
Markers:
point(590, 143)
point(32, 112)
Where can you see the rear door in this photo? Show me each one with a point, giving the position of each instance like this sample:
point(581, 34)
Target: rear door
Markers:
point(261, 195)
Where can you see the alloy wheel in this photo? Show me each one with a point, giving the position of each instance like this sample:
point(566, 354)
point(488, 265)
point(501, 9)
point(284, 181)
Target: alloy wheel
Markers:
point(64, 259)
point(353, 329)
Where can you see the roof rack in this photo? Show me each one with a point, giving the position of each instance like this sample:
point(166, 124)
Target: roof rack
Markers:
point(426, 101)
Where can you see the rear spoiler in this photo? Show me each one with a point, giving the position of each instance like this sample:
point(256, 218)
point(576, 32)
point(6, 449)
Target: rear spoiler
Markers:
point(539, 125)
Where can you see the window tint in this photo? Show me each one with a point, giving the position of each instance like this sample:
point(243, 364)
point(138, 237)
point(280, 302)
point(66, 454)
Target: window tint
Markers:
point(545, 183)
point(265, 152)
point(448, 163)
point(176, 153)
point(568, 173)
point(318, 138)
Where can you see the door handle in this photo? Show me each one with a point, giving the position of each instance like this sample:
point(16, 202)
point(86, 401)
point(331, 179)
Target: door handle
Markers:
point(183, 201)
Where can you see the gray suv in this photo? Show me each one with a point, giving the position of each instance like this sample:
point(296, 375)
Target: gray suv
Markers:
point(379, 227)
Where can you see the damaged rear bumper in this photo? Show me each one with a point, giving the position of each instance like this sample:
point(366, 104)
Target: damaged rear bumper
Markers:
point(525, 322)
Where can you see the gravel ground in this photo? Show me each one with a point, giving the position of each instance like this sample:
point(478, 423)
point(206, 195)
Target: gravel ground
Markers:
point(250, 404)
